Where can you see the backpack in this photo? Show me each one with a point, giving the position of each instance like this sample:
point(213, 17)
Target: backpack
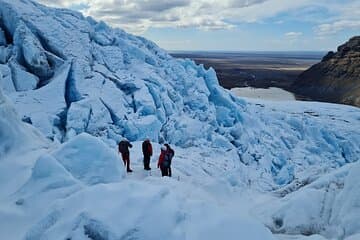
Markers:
point(147, 148)
point(168, 157)
point(122, 147)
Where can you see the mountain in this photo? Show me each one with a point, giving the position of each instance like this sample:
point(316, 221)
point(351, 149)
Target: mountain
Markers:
point(72, 87)
point(336, 78)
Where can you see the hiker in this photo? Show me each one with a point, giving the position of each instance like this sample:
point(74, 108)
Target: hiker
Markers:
point(171, 154)
point(124, 146)
point(147, 152)
point(164, 163)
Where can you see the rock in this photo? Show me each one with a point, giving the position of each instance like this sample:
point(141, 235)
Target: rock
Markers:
point(336, 78)
point(328, 56)
point(20, 202)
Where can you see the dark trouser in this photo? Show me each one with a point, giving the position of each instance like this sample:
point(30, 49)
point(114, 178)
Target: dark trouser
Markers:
point(126, 159)
point(165, 171)
point(147, 162)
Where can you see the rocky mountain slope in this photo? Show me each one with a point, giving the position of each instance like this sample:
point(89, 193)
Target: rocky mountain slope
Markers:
point(336, 78)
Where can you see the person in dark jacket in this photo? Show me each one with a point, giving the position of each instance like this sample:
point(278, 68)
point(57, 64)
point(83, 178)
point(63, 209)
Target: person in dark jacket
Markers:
point(165, 158)
point(170, 153)
point(147, 152)
point(124, 146)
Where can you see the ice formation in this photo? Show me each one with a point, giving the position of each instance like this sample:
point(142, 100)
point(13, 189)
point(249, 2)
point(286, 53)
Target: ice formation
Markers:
point(84, 86)
point(111, 84)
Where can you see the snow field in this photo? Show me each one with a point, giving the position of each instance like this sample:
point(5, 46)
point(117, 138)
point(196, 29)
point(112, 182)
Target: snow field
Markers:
point(242, 167)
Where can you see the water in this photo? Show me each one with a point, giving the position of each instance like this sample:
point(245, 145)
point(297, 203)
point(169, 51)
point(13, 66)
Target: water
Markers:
point(274, 94)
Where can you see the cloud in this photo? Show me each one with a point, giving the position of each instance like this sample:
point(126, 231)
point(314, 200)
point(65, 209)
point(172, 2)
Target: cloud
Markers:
point(137, 16)
point(63, 3)
point(347, 18)
point(239, 4)
point(293, 34)
point(161, 6)
point(337, 26)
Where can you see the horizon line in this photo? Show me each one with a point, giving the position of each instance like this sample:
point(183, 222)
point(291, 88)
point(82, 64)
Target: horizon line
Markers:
point(253, 51)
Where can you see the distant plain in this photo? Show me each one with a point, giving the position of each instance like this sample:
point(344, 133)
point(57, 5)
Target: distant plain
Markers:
point(255, 69)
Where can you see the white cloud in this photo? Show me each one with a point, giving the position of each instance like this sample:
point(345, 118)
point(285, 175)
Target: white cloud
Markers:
point(62, 3)
point(347, 18)
point(337, 26)
point(138, 15)
point(293, 34)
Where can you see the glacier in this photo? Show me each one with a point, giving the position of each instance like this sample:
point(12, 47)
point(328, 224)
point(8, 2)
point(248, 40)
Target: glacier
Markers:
point(72, 87)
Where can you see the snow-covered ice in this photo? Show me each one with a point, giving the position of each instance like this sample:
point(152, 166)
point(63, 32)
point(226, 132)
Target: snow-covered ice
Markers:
point(112, 84)
point(89, 160)
point(327, 206)
point(243, 167)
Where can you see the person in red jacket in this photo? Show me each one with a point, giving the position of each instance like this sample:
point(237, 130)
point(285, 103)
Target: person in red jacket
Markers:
point(147, 152)
point(165, 158)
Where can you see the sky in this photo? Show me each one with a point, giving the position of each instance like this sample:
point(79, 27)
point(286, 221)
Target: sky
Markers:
point(229, 25)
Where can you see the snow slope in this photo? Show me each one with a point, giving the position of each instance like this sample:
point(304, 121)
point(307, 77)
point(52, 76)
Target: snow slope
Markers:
point(327, 206)
point(84, 86)
point(95, 79)
point(76, 190)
